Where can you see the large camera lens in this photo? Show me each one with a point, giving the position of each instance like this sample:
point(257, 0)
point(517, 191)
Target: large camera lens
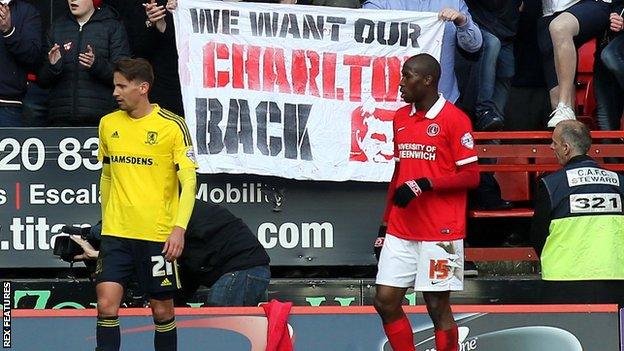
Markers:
point(66, 248)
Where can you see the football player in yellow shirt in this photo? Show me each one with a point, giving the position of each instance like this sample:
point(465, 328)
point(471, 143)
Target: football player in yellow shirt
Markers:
point(148, 191)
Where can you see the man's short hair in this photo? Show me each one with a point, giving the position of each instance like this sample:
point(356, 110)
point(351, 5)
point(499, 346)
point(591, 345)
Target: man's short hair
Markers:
point(138, 69)
point(577, 135)
point(425, 64)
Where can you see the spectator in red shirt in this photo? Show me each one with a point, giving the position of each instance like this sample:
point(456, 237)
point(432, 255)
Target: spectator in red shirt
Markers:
point(421, 238)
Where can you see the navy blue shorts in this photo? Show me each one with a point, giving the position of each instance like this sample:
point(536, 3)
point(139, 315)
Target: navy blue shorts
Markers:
point(593, 18)
point(121, 259)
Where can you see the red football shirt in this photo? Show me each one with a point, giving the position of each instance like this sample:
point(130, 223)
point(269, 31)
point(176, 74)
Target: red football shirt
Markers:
point(431, 145)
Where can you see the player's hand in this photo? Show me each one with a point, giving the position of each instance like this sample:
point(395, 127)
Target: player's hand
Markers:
point(410, 190)
point(379, 241)
point(89, 252)
point(174, 244)
point(449, 14)
point(616, 22)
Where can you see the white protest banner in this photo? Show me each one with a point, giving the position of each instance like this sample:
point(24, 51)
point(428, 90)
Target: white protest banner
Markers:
point(301, 92)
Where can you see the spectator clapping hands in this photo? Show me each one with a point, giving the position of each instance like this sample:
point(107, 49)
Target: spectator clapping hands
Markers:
point(87, 58)
point(54, 55)
point(5, 19)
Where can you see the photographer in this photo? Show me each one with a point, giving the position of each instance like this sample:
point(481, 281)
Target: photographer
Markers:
point(221, 253)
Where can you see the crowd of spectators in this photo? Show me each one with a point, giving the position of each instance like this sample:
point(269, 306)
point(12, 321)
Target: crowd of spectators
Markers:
point(511, 58)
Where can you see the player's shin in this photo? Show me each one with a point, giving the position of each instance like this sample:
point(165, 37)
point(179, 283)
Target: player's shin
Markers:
point(166, 336)
point(108, 337)
point(447, 340)
point(400, 334)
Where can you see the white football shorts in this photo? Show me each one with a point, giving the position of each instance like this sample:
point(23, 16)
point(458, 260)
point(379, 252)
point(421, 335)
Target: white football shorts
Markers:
point(423, 265)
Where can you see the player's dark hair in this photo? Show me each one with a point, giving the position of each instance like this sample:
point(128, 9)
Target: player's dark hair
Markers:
point(426, 65)
point(137, 69)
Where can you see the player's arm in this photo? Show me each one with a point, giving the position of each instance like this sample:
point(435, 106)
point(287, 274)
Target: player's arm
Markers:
point(184, 160)
point(188, 182)
point(462, 147)
point(467, 177)
point(390, 194)
point(381, 233)
point(175, 243)
point(105, 178)
point(392, 187)
point(105, 183)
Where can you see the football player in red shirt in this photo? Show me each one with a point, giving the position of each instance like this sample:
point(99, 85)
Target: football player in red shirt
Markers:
point(421, 238)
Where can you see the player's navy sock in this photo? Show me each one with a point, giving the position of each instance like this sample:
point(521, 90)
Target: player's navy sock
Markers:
point(107, 334)
point(400, 335)
point(446, 340)
point(166, 336)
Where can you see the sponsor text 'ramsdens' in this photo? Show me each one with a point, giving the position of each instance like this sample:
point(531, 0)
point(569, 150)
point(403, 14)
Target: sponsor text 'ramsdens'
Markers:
point(134, 160)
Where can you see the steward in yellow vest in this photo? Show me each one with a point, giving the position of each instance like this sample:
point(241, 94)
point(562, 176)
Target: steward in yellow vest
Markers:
point(578, 225)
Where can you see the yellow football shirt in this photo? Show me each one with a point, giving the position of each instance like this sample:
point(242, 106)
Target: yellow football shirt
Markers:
point(144, 155)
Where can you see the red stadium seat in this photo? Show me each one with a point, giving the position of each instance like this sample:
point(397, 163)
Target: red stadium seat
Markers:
point(514, 185)
point(586, 57)
point(501, 254)
point(585, 100)
point(523, 162)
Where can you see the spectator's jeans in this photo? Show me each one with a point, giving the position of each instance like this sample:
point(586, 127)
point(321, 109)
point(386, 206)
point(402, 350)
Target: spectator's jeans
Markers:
point(495, 69)
point(36, 106)
point(608, 98)
point(241, 288)
point(11, 116)
point(613, 58)
point(609, 85)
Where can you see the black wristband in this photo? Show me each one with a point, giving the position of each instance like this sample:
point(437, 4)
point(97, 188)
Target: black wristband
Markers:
point(382, 230)
point(424, 184)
